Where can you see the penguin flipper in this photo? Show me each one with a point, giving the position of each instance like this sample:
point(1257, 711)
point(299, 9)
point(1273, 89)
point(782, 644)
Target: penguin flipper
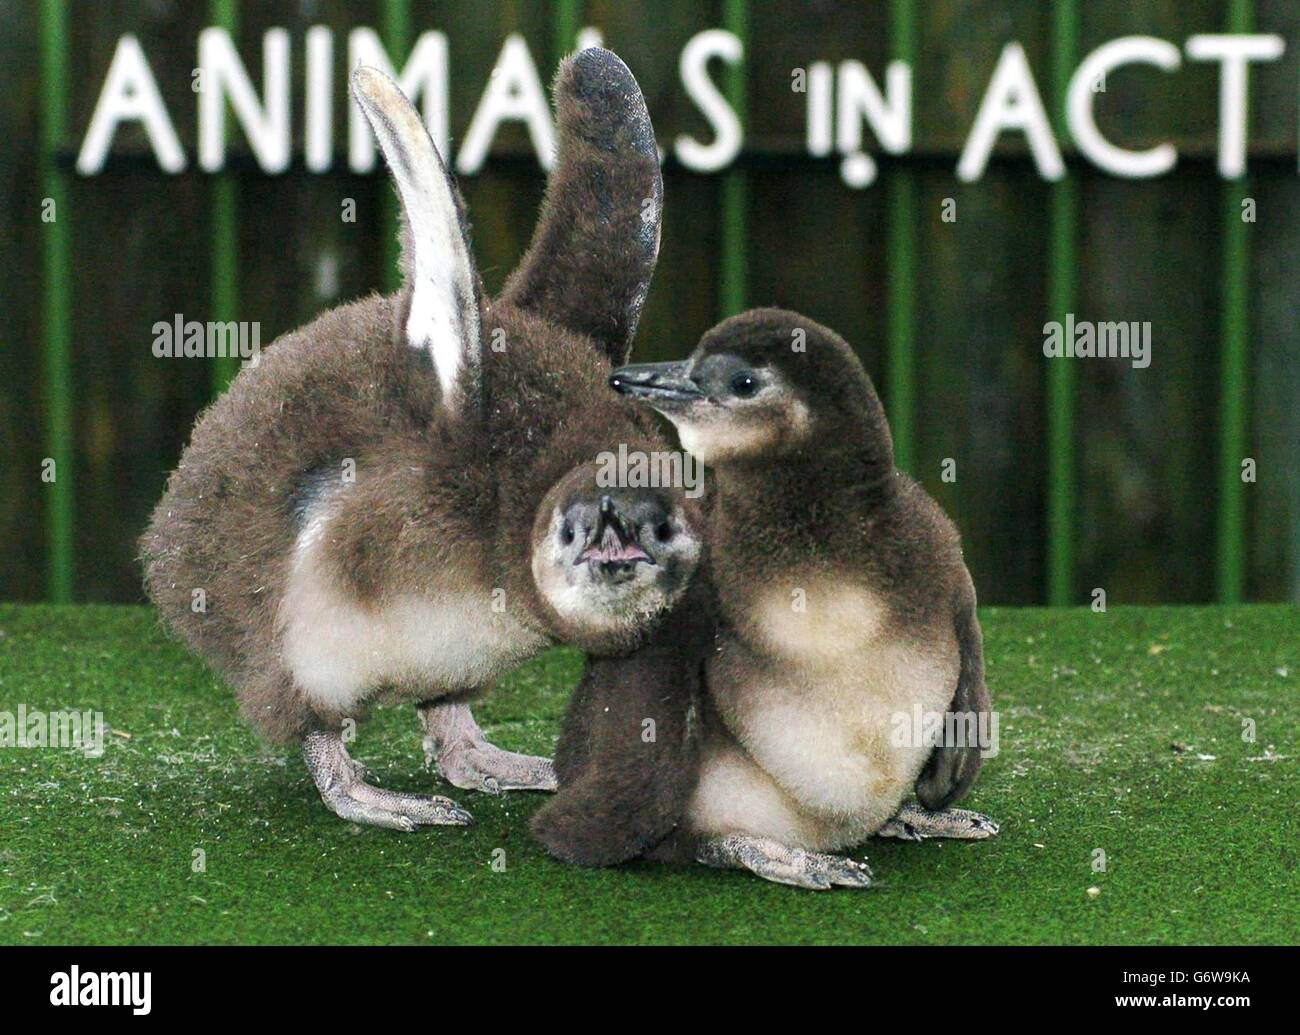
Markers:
point(950, 770)
point(621, 805)
point(573, 749)
point(629, 748)
point(443, 317)
point(594, 251)
point(622, 794)
point(591, 823)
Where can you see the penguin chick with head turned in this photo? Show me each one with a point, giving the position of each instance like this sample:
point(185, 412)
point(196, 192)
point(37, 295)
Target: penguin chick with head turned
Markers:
point(400, 499)
point(628, 754)
point(844, 607)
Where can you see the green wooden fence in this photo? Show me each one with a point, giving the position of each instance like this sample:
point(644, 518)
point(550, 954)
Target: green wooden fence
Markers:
point(738, 209)
point(58, 303)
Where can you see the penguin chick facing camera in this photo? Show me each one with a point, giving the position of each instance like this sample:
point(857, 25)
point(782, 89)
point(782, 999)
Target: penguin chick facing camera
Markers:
point(844, 604)
point(384, 507)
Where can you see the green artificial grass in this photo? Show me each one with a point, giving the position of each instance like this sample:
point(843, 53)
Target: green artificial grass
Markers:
point(1120, 732)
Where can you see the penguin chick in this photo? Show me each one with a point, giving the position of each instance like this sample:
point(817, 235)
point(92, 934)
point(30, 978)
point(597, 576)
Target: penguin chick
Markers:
point(401, 497)
point(610, 562)
point(844, 604)
point(628, 754)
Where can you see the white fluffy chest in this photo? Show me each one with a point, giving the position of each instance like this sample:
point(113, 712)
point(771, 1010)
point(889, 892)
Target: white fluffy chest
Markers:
point(340, 651)
point(814, 693)
point(811, 620)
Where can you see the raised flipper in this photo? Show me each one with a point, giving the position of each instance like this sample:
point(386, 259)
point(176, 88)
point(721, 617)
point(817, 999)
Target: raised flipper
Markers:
point(443, 316)
point(597, 239)
point(951, 770)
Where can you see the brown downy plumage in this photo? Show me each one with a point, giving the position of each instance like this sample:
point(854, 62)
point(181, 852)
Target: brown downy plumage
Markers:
point(628, 754)
point(401, 496)
point(843, 605)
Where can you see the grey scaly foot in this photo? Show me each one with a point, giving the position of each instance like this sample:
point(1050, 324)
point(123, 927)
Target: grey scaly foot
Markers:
point(913, 823)
point(465, 759)
point(774, 861)
point(347, 795)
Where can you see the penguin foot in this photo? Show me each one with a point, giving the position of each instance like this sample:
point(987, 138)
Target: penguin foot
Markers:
point(900, 830)
point(345, 793)
point(913, 823)
point(455, 744)
point(782, 864)
point(484, 767)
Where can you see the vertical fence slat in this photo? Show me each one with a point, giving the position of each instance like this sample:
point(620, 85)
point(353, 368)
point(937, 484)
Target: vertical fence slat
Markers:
point(395, 31)
point(568, 13)
point(733, 270)
point(1234, 330)
point(901, 368)
point(1061, 296)
point(56, 319)
point(224, 286)
point(1233, 384)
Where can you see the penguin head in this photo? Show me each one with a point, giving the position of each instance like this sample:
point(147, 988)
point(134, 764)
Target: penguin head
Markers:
point(609, 562)
point(762, 385)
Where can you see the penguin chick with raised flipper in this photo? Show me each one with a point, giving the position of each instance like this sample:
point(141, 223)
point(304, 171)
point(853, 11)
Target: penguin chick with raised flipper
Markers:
point(628, 754)
point(844, 603)
point(389, 501)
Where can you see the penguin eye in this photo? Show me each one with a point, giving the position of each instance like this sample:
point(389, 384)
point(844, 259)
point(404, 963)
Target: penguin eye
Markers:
point(743, 386)
point(566, 534)
point(664, 532)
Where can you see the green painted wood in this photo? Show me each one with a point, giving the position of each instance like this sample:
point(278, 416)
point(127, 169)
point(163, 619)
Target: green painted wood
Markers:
point(1061, 298)
point(1273, 518)
point(1235, 388)
point(814, 244)
point(1145, 444)
point(901, 392)
point(23, 444)
point(1144, 526)
point(297, 254)
point(732, 259)
point(140, 254)
point(57, 322)
point(1273, 418)
point(502, 198)
point(684, 295)
point(1234, 333)
point(568, 21)
point(980, 303)
point(225, 227)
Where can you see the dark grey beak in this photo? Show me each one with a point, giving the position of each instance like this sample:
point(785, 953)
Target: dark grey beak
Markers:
point(613, 547)
point(656, 383)
point(610, 519)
